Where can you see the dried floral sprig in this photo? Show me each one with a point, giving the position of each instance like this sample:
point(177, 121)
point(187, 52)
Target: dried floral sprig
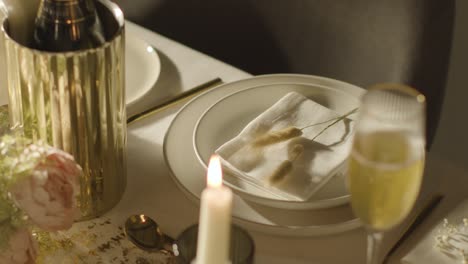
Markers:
point(284, 134)
point(280, 173)
point(286, 166)
point(338, 119)
point(277, 136)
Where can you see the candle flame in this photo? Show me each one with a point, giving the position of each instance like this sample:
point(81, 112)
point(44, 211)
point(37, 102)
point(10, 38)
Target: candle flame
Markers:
point(215, 173)
point(143, 218)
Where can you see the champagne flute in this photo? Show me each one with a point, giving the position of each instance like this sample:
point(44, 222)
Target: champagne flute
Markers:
point(387, 159)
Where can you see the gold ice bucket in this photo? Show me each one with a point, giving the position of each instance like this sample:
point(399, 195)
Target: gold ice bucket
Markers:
point(75, 101)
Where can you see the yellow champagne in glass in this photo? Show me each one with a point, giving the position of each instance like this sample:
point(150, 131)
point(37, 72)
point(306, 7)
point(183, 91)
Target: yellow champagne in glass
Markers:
point(387, 159)
point(385, 174)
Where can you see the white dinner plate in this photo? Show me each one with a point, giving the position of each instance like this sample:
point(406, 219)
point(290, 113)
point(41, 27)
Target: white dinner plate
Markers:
point(228, 116)
point(190, 175)
point(142, 68)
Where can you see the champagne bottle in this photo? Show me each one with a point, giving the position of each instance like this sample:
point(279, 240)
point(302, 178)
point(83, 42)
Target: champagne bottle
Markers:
point(67, 25)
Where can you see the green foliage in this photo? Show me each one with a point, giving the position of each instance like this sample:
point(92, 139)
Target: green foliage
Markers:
point(11, 218)
point(6, 230)
point(17, 159)
point(4, 120)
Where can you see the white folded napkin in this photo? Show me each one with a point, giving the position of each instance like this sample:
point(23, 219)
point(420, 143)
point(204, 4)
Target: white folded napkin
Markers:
point(305, 164)
point(445, 242)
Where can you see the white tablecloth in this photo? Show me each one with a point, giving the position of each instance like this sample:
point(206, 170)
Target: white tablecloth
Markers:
point(151, 190)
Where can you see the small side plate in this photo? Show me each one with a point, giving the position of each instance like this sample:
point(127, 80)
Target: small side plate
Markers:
point(142, 65)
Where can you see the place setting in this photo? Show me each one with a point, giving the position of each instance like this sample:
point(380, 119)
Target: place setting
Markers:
point(267, 111)
point(218, 115)
point(292, 156)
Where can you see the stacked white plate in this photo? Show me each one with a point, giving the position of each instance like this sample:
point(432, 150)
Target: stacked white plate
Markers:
point(218, 115)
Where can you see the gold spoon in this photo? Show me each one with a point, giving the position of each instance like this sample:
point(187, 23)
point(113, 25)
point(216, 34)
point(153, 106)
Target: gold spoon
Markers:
point(144, 233)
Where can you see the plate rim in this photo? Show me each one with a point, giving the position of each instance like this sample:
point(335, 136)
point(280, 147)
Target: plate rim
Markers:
point(293, 231)
point(297, 205)
point(156, 67)
point(281, 230)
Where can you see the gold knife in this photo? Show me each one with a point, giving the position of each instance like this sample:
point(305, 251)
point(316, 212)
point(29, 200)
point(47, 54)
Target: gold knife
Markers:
point(185, 96)
point(416, 221)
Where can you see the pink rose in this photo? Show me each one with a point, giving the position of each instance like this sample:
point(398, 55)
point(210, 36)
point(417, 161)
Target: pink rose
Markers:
point(48, 195)
point(22, 248)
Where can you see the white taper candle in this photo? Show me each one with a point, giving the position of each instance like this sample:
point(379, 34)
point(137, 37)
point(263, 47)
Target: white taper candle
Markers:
point(215, 218)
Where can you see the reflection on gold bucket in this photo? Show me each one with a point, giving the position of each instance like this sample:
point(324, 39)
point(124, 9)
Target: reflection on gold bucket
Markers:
point(76, 101)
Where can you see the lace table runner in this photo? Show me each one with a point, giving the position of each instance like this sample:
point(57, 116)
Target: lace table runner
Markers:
point(95, 241)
